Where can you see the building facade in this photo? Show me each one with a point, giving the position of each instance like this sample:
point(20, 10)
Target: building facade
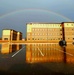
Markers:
point(69, 37)
point(49, 32)
point(44, 32)
point(19, 38)
point(10, 35)
point(52, 33)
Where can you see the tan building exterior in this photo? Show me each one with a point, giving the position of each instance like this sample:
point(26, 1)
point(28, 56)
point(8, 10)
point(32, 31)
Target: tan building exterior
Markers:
point(53, 33)
point(44, 32)
point(19, 37)
point(50, 32)
point(0, 38)
point(69, 37)
point(10, 35)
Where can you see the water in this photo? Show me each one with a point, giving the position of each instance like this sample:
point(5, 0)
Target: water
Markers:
point(37, 65)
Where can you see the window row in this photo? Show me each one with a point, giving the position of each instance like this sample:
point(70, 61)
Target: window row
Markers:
point(46, 54)
point(45, 39)
point(47, 25)
point(67, 38)
point(70, 24)
point(54, 29)
point(35, 48)
point(54, 34)
point(48, 45)
point(69, 29)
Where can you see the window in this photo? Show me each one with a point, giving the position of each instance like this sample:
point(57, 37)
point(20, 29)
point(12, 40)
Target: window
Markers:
point(28, 38)
point(32, 38)
point(38, 39)
point(5, 38)
point(61, 38)
point(71, 24)
point(60, 29)
point(60, 25)
point(58, 38)
point(54, 39)
point(73, 43)
point(73, 29)
point(60, 34)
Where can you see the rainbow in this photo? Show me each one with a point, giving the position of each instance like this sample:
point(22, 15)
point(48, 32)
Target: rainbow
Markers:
point(43, 10)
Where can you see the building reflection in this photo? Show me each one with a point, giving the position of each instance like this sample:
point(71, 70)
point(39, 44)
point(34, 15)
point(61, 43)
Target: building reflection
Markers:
point(52, 33)
point(10, 35)
point(60, 37)
point(44, 53)
point(49, 53)
point(70, 53)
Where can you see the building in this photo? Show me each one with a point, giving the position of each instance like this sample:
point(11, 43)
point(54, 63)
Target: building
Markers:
point(19, 38)
point(44, 32)
point(10, 35)
point(69, 37)
point(53, 33)
point(49, 32)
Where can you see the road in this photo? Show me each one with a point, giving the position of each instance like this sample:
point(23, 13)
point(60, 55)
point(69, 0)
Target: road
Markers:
point(15, 63)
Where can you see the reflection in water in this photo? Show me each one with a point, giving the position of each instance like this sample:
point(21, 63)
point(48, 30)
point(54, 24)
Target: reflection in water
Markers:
point(9, 48)
point(44, 53)
point(49, 53)
point(46, 59)
point(70, 53)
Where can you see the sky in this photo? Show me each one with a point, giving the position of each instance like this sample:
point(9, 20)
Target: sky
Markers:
point(14, 14)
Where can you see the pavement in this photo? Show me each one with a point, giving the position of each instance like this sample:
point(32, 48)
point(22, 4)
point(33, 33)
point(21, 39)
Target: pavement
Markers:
point(15, 64)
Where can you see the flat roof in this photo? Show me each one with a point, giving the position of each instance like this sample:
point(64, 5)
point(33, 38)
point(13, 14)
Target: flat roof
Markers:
point(8, 29)
point(67, 22)
point(47, 22)
point(12, 30)
point(42, 23)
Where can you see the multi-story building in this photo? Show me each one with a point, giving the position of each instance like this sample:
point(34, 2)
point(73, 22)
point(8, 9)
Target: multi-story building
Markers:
point(49, 32)
point(68, 29)
point(52, 33)
point(10, 35)
point(44, 32)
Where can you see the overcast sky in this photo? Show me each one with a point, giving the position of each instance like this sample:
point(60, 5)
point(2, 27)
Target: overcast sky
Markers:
point(15, 14)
